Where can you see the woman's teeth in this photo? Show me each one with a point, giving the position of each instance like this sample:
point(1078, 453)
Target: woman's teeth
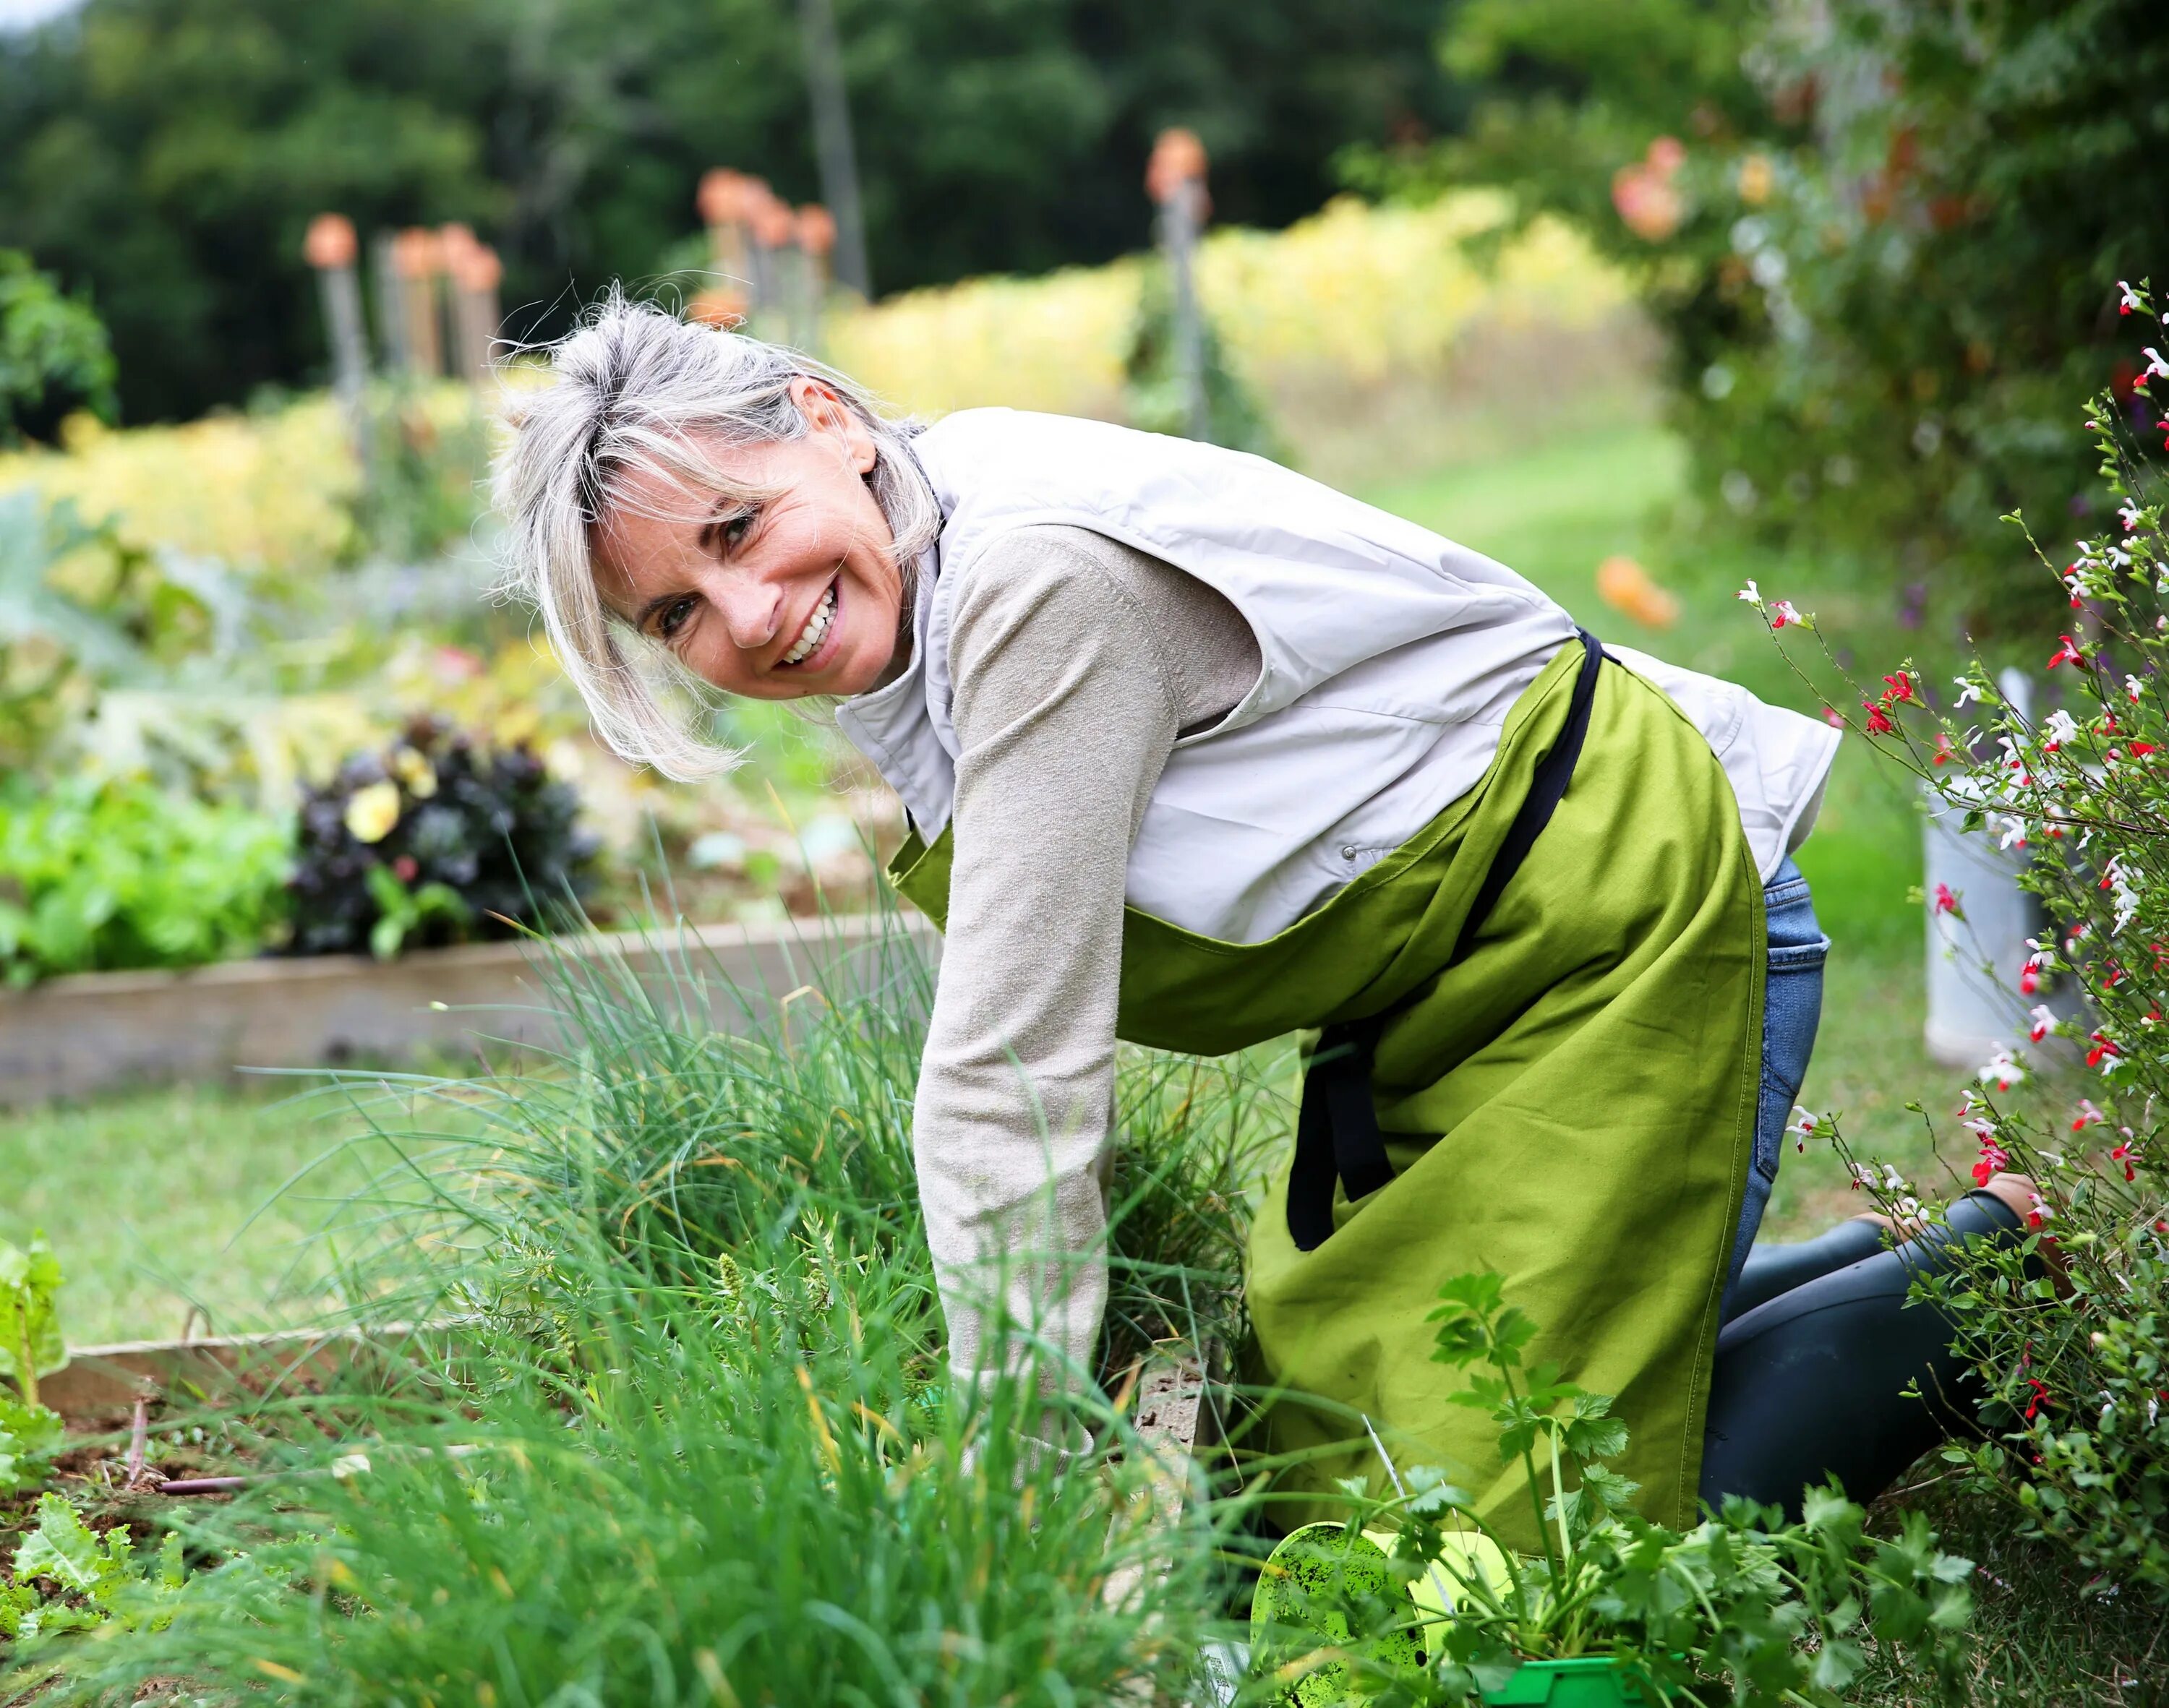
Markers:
point(816, 629)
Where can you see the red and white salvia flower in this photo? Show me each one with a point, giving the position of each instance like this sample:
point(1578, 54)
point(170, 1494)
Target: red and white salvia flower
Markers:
point(2128, 299)
point(1784, 612)
point(1803, 1127)
point(2068, 653)
point(1942, 755)
point(1993, 1160)
point(2088, 1117)
point(2128, 515)
point(2014, 832)
point(2044, 1022)
point(2132, 689)
point(2058, 727)
point(2030, 976)
point(1833, 717)
point(1946, 902)
point(2104, 1052)
point(2000, 1070)
point(2040, 1216)
point(2123, 1153)
point(2155, 366)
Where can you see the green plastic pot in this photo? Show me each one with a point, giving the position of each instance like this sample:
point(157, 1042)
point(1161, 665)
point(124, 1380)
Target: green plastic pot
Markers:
point(1594, 1681)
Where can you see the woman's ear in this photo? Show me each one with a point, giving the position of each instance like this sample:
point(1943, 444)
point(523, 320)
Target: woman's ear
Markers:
point(825, 412)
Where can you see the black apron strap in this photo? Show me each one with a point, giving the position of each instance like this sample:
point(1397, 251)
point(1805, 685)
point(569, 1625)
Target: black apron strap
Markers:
point(1336, 1134)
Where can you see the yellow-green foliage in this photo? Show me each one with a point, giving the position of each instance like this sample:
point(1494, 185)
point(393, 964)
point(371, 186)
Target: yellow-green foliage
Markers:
point(275, 487)
point(1364, 291)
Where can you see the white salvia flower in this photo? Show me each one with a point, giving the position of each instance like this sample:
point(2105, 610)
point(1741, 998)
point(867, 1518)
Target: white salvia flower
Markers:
point(2044, 1022)
point(2059, 727)
point(1972, 690)
point(2129, 513)
point(1752, 594)
point(2155, 365)
point(2128, 302)
point(2132, 690)
point(1894, 1180)
point(2014, 831)
point(2001, 1070)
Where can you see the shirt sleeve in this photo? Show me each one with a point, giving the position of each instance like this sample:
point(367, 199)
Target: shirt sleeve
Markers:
point(1071, 683)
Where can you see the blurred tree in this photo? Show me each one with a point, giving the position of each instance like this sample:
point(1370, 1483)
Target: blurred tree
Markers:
point(53, 353)
point(170, 153)
point(1884, 236)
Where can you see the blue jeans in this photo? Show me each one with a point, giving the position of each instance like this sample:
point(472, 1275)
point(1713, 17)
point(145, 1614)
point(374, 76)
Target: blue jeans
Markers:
point(1792, 1007)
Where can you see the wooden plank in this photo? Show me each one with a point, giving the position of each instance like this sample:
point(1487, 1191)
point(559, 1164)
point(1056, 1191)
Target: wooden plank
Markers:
point(93, 1032)
point(214, 1369)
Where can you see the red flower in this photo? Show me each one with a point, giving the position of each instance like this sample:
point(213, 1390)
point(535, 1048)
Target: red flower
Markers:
point(2068, 653)
point(2103, 1046)
point(1879, 720)
point(1901, 688)
point(2041, 1398)
point(1946, 902)
point(406, 868)
point(2140, 750)
point(1942, 748)
point(2122, 1154)
point(1994, 1160)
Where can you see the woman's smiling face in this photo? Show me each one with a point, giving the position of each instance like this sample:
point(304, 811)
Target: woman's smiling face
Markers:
point(794, 593)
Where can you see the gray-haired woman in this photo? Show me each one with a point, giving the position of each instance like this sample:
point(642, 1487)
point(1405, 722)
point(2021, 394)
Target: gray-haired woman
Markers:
point(1197, 752)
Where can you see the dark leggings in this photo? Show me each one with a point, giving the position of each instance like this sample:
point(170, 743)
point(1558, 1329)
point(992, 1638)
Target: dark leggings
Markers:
point(1812, 1367)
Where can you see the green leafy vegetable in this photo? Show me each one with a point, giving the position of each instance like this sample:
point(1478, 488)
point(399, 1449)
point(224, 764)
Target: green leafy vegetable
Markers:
point(30, 1342)
point(27, 1433)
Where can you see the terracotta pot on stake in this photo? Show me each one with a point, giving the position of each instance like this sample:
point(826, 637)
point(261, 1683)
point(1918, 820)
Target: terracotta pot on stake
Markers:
point(816, 240)
point(1175, 179)
point(726, 200)
point(418, 259)
point(720, 306)
point(774, 240)
point(474, 271)
point(331, 249)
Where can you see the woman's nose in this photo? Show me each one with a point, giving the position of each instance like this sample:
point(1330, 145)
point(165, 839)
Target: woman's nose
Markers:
point(751, 609)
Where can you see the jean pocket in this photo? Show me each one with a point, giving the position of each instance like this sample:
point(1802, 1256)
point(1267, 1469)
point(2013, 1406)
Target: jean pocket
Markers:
point(1782, 958)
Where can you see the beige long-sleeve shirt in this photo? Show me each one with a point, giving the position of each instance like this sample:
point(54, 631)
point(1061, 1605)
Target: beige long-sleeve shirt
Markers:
point(1077, 661)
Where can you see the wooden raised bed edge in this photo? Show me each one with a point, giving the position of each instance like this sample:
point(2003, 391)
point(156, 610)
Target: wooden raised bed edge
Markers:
point(99, 1380)
point(92, 1032)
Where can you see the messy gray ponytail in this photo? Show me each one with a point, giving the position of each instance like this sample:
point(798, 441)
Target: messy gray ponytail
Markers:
point(632, 388)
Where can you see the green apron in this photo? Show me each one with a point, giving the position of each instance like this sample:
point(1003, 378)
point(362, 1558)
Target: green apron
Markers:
point(1570, 1103)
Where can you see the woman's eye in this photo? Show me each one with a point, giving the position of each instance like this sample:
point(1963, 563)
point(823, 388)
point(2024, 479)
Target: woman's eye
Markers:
point(736, 529)
point(674, 617)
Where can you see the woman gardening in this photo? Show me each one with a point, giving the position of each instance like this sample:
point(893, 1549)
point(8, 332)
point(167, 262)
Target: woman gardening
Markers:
point(1196, 753)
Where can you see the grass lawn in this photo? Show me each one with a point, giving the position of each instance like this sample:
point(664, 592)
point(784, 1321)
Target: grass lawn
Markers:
point(161, 1206)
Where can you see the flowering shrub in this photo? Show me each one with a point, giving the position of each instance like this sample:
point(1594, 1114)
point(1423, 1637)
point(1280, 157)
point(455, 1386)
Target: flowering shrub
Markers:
point(437, 839)
point(1880, 235)
point(2070, 1331)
